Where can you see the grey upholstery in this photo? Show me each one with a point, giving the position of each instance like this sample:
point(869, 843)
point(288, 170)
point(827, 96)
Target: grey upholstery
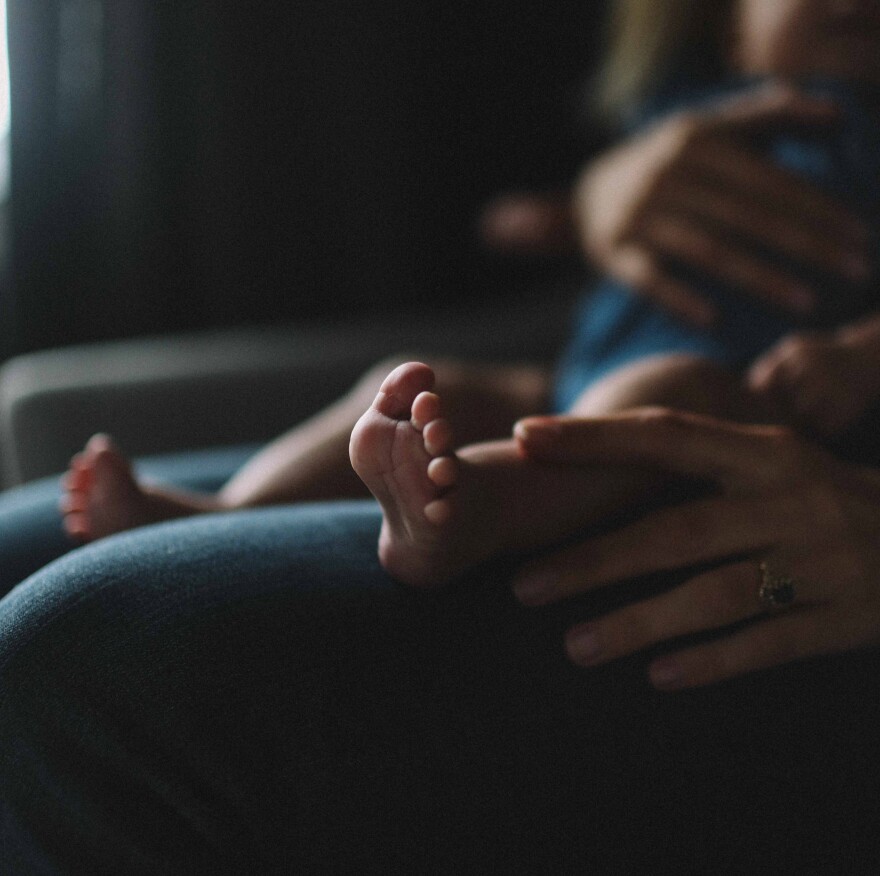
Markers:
point(172, 393)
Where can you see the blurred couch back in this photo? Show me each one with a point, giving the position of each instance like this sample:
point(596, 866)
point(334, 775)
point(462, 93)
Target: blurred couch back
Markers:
point(196, 164)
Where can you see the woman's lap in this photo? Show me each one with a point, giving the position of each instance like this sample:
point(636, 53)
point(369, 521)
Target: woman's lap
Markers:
point(255, 686)
point(250, 693)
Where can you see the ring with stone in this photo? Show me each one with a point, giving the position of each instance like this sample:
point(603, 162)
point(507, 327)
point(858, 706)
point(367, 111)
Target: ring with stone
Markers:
point(775, 590)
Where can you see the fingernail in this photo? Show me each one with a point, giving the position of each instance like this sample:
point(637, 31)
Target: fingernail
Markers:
point(665, 673)
point(583, 645)
point(536, 429)
point(536, 588)
point(801, 298)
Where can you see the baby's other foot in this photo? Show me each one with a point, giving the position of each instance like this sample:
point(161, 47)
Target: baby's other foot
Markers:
point(101, 493)
point(402, 450)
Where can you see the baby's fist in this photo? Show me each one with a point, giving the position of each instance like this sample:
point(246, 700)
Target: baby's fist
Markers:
point(818, 380)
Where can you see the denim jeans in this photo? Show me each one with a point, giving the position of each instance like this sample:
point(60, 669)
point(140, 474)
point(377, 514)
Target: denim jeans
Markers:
point(30, 521)
point(250, 693)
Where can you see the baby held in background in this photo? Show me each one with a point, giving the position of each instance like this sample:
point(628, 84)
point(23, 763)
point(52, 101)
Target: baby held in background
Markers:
point(804, 352)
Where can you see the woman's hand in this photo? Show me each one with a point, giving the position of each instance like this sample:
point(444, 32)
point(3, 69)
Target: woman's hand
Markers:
point(777, 500)
point(824, 382)
point(690, 188)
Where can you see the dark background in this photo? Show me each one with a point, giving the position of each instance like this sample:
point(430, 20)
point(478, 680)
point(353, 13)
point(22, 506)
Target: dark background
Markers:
point(181, 165)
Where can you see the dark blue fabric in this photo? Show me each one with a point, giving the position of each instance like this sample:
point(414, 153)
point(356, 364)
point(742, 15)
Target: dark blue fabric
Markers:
point(615, 327)
point(250, 693)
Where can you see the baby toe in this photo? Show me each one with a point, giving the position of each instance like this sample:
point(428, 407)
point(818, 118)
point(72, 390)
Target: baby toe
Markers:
point(76, 525)
point(443, 471)
point(438, 512)
point(425, 408)
point(71, 503)
point(438, 437)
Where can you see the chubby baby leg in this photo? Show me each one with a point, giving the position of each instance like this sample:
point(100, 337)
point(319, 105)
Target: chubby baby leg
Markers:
point(677, 380)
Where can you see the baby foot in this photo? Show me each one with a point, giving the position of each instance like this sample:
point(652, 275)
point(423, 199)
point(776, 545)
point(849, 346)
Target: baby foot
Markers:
point(103, 496)
point(402, 450)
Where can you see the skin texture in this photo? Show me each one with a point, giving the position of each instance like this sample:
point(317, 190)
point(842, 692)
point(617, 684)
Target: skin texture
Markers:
point(774, 497)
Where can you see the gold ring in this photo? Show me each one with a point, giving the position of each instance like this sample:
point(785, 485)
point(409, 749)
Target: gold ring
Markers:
point(775, 590)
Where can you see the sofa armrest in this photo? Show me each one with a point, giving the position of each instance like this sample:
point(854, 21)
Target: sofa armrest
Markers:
point(158, 395)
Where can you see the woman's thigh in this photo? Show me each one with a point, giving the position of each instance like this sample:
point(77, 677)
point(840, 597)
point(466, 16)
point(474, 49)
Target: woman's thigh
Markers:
point(251, 693)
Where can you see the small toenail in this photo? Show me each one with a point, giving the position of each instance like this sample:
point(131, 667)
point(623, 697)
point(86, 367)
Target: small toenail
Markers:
point(441, 470)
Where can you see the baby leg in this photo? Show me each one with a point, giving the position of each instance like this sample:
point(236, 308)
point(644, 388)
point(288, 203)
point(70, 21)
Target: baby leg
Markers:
point(310, 462)
point(677, 381)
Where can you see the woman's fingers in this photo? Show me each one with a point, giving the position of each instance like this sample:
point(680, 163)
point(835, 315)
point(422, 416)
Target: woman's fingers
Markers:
point(781, 191)
point(671, 538)
point(771, 105)
point(782, 638)
point(637, 266)
point(709, 601)
point(714, 251)
point(683, 443)
point(731, 211)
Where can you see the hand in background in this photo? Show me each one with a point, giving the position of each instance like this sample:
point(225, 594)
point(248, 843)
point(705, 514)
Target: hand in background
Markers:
point(530, 223)
point(691, 189)
point(775, 499)
point(824, 383)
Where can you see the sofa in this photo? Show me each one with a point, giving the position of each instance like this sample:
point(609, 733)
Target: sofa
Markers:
point(180, 392)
